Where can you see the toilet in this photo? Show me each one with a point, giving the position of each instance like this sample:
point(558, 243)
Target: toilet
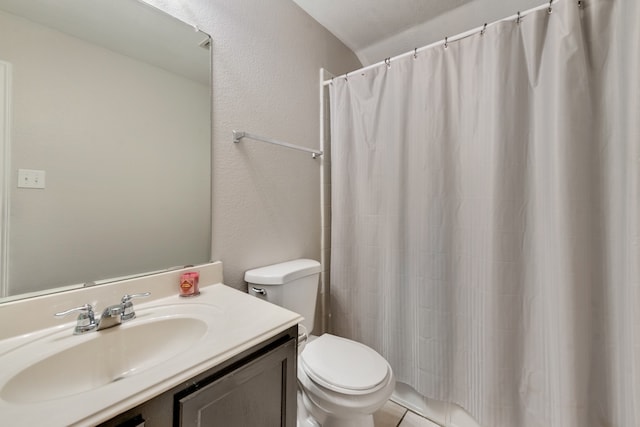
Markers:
point(341, 382)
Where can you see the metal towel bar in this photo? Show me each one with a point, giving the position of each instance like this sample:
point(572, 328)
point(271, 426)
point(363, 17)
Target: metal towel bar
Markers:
point(238, 135)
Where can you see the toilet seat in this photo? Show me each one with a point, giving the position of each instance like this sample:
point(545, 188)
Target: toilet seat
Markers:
point(344, 366)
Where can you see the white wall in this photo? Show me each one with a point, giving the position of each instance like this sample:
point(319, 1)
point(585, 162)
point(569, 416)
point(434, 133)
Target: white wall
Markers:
point(266, 61)
point(115, 177)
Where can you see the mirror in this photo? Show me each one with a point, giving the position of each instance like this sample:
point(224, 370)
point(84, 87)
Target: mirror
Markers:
point(110, 112)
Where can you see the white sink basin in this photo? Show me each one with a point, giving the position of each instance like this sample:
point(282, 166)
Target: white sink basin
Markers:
point(96, 359)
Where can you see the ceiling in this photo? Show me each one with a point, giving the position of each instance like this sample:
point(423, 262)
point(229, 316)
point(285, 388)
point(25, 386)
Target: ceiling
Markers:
point(378, 29)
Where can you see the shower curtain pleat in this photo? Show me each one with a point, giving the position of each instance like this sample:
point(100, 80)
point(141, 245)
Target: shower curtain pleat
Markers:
point(486, 217)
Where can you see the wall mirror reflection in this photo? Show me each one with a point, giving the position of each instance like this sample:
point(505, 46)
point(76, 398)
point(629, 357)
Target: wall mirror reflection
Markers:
point(106, 112)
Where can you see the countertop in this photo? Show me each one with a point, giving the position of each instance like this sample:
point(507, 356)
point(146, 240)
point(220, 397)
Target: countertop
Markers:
point(242, 322)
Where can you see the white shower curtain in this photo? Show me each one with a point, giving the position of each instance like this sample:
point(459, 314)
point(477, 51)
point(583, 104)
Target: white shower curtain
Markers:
point(486, 217)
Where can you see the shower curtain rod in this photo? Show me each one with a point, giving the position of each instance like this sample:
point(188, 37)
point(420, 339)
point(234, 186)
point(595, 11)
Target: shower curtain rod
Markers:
point(238, 135)
point(518, 16)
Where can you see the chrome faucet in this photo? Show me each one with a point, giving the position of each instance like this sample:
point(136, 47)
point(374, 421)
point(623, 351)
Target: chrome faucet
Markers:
point(118, 313)
point(112, 315)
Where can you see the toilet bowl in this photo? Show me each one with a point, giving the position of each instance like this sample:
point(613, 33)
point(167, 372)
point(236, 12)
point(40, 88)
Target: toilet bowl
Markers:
point(341, 382)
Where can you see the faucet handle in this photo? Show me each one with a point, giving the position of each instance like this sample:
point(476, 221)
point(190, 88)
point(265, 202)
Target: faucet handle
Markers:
point(86, 319)
point(127, 305)
point(127, 298)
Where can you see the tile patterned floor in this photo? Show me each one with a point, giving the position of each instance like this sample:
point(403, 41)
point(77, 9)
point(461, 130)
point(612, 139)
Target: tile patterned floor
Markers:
point(394, 415)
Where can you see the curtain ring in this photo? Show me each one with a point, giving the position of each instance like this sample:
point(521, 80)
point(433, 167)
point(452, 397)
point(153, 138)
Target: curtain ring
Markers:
point(331, 82)
point(346, 77)
point(484, 28)
point(580, 4)
point(415, 53)
point(446, 42)
point(519, 18)
point(550, 9)
point(388, 62)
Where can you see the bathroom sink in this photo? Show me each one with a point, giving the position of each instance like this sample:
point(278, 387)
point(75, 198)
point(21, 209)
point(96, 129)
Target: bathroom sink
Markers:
point(96, 359)
point(50, 376)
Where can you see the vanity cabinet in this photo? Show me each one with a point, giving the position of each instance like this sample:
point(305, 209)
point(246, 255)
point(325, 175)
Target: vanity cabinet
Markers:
point(255, 388)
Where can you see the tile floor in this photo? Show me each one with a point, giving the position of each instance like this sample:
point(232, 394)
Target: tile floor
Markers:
point(394, 415)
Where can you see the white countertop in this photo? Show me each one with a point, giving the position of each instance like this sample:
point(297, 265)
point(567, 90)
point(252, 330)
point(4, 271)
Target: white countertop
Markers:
point(242, 322)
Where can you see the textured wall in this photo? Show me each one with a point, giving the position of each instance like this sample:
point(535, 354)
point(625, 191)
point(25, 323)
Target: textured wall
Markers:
point(266, 61)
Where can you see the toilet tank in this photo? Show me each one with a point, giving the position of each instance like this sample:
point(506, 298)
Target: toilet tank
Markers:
point(292, 285)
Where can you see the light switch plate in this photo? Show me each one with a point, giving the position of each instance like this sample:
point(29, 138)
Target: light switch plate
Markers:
point(31, 178)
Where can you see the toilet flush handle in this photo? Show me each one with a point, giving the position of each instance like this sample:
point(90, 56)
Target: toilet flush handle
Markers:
point(259, 291)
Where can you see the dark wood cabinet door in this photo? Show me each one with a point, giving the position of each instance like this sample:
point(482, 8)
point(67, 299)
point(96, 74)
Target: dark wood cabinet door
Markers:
point(261, 393)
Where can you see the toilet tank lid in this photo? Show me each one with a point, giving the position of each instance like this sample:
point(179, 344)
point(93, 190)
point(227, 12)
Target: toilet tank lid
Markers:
point(278, 274)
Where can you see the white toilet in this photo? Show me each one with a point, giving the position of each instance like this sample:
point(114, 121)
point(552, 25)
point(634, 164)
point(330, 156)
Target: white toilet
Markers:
point(341, 382)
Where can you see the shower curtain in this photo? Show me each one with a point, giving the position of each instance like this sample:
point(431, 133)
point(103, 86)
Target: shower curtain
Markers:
point(486, 217)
